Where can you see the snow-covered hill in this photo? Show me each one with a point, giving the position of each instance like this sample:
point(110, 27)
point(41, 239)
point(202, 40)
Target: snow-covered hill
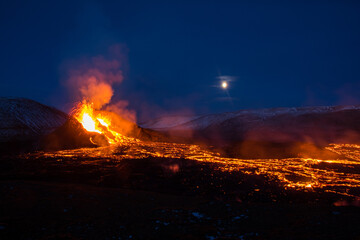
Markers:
point(26, 125)
point(24, 119)
point(258, 115)
point(167, 122)
point(316, 125)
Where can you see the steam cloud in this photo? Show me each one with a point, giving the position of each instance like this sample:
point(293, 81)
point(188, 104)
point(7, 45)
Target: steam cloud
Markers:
point(93, 79)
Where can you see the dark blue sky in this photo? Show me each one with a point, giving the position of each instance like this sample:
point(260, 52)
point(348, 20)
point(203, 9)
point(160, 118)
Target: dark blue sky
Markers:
point(288, 53)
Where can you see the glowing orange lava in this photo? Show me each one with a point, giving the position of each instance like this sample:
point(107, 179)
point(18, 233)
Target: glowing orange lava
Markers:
point(84, 113)
point(337, 175)
point(94, 121)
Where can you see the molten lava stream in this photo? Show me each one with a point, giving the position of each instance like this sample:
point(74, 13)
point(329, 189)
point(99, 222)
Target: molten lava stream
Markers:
point(93, 121)
point(339, 174)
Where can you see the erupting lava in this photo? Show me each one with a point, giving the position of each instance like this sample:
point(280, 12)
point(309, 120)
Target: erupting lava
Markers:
point(333, 175)
point(99, 122)
point(85, 115)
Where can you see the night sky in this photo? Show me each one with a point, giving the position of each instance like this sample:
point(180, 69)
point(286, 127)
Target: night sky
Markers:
point(278, 54)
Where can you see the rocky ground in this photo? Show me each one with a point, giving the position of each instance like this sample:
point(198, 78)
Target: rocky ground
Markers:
point(53, 197)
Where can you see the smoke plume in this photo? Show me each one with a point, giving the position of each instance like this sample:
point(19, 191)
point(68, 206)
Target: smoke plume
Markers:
point(93, 79)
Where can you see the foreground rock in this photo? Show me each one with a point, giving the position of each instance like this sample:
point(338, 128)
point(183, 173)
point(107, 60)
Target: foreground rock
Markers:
point(100, 198)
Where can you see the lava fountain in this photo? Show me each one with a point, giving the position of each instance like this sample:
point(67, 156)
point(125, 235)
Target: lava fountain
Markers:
point(99, 122)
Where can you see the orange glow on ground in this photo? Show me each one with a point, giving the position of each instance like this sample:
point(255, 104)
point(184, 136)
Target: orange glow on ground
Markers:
point(303, 173)
point(333, 175)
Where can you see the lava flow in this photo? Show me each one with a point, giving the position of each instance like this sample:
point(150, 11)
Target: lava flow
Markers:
point(98, 122)
point(340, 175)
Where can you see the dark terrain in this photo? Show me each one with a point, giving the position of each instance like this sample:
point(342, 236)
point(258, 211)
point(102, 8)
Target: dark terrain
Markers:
point(154, 190)
point(161, 198)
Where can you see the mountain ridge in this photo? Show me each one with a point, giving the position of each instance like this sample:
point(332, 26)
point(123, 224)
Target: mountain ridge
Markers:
point(276, 132)
point(265, 112)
